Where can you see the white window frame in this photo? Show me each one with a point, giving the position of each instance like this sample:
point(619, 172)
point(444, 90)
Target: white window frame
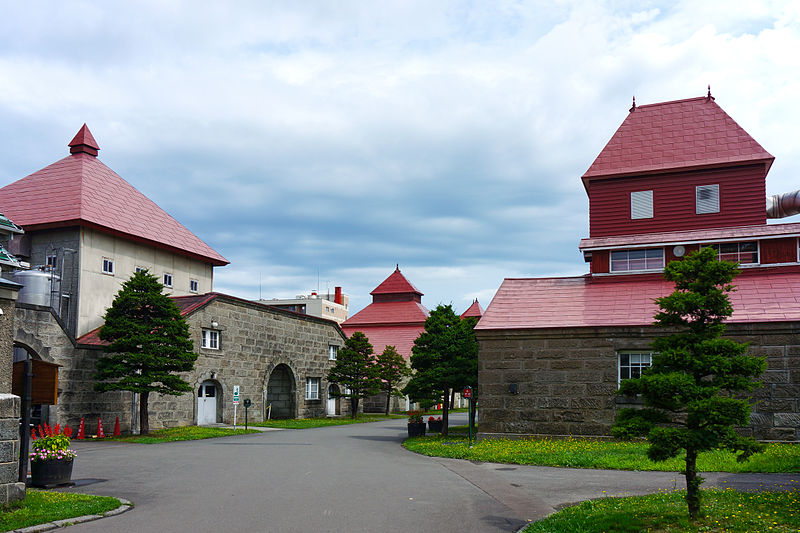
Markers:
point(108, 266)
point(632, 367)
point(209, 339)
point(194, 285)
point(627, 260)
point(167, 279)
point(641, 205)
point(51, 261)
point(333, 352)
point(738, 253)
point(312, 388)
point(710, 204)
point(138, 269)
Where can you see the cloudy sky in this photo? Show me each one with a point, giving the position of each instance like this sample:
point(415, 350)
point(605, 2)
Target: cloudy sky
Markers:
point(321, 143)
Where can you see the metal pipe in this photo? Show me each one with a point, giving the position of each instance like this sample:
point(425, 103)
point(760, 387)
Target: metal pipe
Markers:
point(783, 205)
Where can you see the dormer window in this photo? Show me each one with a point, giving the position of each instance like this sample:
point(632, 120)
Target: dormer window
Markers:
point(707, 199)
point(641, 205)
point(637, 260)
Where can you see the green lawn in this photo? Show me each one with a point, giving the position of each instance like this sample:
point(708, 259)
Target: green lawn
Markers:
point(589, 453)
point(306, 423)
point(40, 507)
point(724, 510)
point(182, 433)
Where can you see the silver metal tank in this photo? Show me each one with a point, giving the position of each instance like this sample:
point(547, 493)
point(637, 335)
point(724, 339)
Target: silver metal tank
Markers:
point(36, 286)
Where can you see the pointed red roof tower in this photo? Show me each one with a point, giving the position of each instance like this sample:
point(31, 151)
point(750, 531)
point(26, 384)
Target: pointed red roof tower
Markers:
point(395, 317)
point(474, 310)
point(79, 190)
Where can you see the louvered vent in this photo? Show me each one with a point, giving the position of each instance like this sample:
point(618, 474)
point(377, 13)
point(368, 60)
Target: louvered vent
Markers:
point(641, 204)
point(707, 197)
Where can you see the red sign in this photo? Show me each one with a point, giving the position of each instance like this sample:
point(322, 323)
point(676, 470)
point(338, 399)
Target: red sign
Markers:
point(467, 392)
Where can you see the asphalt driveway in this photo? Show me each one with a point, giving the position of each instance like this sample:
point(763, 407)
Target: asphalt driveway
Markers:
point(344, 479)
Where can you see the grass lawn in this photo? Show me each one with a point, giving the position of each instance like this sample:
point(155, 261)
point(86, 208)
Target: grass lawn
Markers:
point(306, 423)
point(40, 507)
point(724, 510)
point(181, 433)
point(589, 453)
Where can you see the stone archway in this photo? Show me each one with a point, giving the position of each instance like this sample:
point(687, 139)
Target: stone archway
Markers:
point(281, 389)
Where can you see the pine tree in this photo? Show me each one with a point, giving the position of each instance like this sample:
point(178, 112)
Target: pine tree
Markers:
point(694, 390)
point(355, 371)
point(391, 368)
point(444, 357)
point(148, 344)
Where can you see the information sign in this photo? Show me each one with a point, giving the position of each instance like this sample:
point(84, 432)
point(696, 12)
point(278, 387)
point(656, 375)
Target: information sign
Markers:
point(236, 395)
point(467, 393)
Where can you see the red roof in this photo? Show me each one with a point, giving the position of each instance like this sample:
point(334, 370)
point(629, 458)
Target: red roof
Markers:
point(396, 283)
point(771, 296)
point(81, 190)
point(401, 337)
point(393, 313)
point(675, 135)
point(474, 310)
point(693, 236)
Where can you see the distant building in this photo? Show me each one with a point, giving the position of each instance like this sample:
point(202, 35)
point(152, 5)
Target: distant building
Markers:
point(334, 306)
point(676, 176)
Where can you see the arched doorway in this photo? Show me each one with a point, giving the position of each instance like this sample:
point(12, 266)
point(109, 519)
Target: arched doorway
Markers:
point(207, 395)
point(40, 413)
point(333, 408)
point(281, 391)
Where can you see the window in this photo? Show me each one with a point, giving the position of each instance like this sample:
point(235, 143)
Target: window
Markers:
point(168, 280)
point(139, 269)
point(312, 388)
point(643, 259)
point(333, 351)
point(193, 284)
point(641, 204)
point(108, 266)
point(52, 261)
point(632, 363)
point(707, 199)
point(210, 339)
point(745, 253)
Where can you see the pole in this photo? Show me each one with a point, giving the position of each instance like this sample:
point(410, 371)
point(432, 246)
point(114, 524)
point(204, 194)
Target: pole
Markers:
point(471, 407)
point(234, 416)
point(25, 423)
point(245, 417)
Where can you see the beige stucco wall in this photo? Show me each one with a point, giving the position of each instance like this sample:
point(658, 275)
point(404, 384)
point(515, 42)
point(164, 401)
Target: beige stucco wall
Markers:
point(97, 289)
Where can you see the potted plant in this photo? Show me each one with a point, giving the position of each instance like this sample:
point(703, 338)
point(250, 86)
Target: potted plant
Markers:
point(416, 426)
point(51, 457)
point(435, 424)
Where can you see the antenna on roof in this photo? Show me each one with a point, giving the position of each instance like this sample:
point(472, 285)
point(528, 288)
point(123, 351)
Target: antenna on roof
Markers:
point(633, 107)
point(397, 268)
point(708, 96)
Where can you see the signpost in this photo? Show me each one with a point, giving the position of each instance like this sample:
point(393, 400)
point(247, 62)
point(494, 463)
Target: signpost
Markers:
point(247, 404)
point(235, 404)
point(467, 393)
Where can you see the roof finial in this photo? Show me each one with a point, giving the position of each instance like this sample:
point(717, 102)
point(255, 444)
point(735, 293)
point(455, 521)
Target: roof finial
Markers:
point(397, 269)
point(633, 107)
point(83, 142)
point(708, 96)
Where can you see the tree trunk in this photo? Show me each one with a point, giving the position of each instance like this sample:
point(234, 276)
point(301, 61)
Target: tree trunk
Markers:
point(353, 406)
point(144, 417)
point(453, 398)
point(693, 482)
point(445, 410)
point(388, 399)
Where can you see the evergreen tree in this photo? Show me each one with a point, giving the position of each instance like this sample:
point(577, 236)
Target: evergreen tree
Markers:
point(444, 357)
point(391, 368)
point(693, 392)
point(148, 344)
point(355, 370)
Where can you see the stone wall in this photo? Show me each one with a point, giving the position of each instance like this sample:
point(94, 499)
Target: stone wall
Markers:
point(10, 489)
point(566, 379)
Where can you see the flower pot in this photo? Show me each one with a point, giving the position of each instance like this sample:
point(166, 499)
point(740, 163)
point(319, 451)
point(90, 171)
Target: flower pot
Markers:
point(416, 430)
point(435, 426)
point(49, 472)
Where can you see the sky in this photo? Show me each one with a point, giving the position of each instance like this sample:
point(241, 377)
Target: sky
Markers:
point(320, 144)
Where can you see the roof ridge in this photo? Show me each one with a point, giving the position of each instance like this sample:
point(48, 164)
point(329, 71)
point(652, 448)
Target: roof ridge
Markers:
point(681, 100)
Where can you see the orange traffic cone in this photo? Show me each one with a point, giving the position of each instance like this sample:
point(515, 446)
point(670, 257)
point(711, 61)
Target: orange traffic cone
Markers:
point(100, 434)
point(81, 431)
point(117, 432)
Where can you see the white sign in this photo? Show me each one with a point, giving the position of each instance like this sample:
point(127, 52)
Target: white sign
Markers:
point(236, 395)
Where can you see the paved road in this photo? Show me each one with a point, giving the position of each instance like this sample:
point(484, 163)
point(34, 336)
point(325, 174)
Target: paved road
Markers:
point(343, 479)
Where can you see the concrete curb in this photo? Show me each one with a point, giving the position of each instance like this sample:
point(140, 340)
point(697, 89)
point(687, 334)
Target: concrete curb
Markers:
point(125, 505)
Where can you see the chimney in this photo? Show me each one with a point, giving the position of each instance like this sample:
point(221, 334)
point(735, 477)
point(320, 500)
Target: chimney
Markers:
point(337, 298)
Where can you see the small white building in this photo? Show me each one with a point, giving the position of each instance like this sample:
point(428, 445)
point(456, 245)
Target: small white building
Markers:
point(334, 306)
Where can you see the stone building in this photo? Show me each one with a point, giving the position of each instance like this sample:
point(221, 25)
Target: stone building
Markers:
point(10, 488)
point(674, 177)
point(86, 231)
